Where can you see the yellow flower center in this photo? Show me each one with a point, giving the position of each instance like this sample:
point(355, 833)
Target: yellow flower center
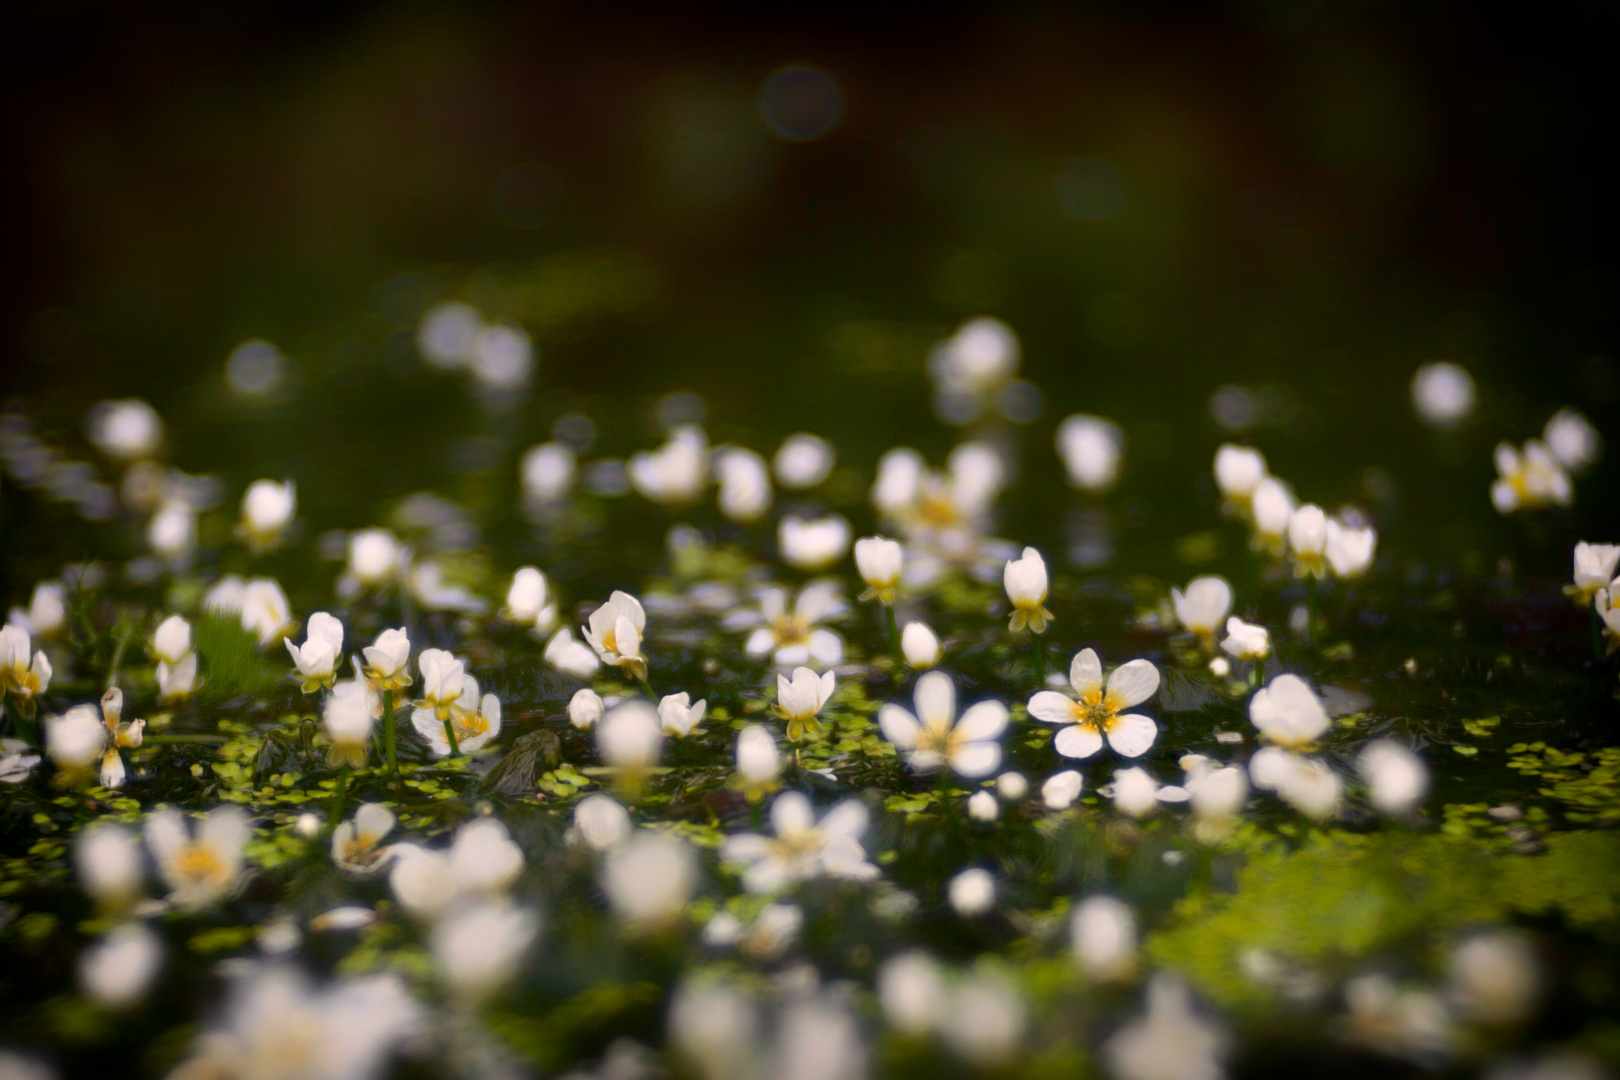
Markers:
point(790, 630)
point(199, 863)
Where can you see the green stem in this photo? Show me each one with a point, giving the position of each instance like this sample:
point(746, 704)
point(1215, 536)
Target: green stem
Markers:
point(647, 686)
point(118, 654)
point(1259, 670)
point(1037, 647)
point(894, 637)
point(450, 736)
point(388, 730)
point(336, 813)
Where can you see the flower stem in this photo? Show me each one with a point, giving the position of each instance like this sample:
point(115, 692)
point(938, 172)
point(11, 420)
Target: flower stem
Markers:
point(25, 730)
point(894, 636)
point(336, 813)
point(1037, 647)
point(647, 686)
point(1259, 670)
point(118, 654)
point(388, 730)
point(450, 737)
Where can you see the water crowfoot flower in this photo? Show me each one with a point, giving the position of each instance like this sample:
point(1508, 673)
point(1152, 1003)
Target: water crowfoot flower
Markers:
point(75, 742)
point(108, 859)
point(1203, 606)
point(803, 461)
point(745, 484)
point(678, 715)
point(317, 659)
point(46, 612)
point(356, 844)
point(1238, 471)
point(479, 947)
point(199, 869)
point(119, 736)
point(600, 821)
point(812, 544)
point(1171, 1042)
point(1136, 792)
point(972, 892)
point(615, 630)
point(920, 646)
point(800, 697)
point(802, 848)
point(794, 637)
point(648, 879)
point(1288, 713)
point(267, 510)
point(375, 558)
point(1397, 779)
point(1308, 539)
point(880, 562)
point(1350, 548)
point(22, 676)
point(629, 739)
point(527, 603)
point(1529, 480)
point(567, 655)
point(584, 708)
point(1061, 789)
point(759, 763)
point(1272, 509)
point(117, 971)
point(177, 663)
point(766, 937)
point(1091, 448)
point(1572, 439)
point(1098, 712)
point(1025, 581)
point(1594, 569)
point(16, 763)
point(1102, 932)
point(348, 716)
point(935, 738)
point(464, 727)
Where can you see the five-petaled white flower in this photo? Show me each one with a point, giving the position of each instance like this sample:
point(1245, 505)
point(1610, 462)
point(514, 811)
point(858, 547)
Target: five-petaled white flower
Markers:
point(615, 630)
point(802, 848)
point(1272, 509)
point(119, 736)
point(1238, 471)
point(1203, 606)
point(934, 737)
point(317, 658)
point(880, 562)
point(678, 714)
point(759, 762)
point(1100, 710)
point(793, 637)
point(199, 869)
point(357, 844)
point(800, 697)
point(1025, 582)
point(1529, 479)
point(348, 715)
point(475, 720)
point(920, 645)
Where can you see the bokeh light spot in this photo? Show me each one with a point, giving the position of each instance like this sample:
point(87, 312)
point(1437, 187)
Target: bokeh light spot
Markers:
point(801, 103)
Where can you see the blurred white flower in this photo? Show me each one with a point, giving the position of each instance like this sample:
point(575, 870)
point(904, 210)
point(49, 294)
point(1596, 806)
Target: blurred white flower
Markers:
point(126, 430)
point(1217, 794)
point(629, 739)
point(920, 646)
point(898, 482)
point(448, 334)
point(348, 715)
point(1303, 782)
point(601, 821)
point(357, 843)
point(745, 484)
point(818, 1039)
point(108, 858)
point(117, 971)
point(527, 602)
point(1350, 548)
point(1443, 393)
point(1024, 579)
point(317, 659)
point(1399, 1021)
point(675, 473)
point(1494, 977)
point(1288, 712)
point(479, 947)
point(547, 472)
point(24, 673)
point(1102, 931)
point(200, 869)
point(1136, 792)
point(793, 637)
point(1238, 472)
point(802, 848)
point(75, 740)
point(934, 738)
point(172, 532)
point(1171, 1042)
point(1091, 448)
point(759, 762)
point(982, 806)
point(503, 358)
point(1529, 480)
point(615, 629)
point(572, 657)
point(422, 881)
point(475, 720)
point(913, 994)
point(584, 708)
point(715, 1028)
point(986, 1019)
point(1061, 789)
point(1308, 539)
point(972, 892)
point(803, 461)
point(1397, 779)
point(1272, 507)
point(1012, 786)
point(1246, 641)
point(267, 510)
point(47, 610)
point(649, 878)
point(880, 561)
point(679, 715)
point(812, 543)
point(374, 557)
point(388, 660)
point(265, 611)
point(171, 642)
point(1572, 439)
point(766, 937)
point(1203, 607)
point(981, 355)
point(432, 589)
point(1100, 709)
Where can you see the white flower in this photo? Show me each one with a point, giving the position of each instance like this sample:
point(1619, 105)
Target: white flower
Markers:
point(630, 736)
point(435, 592)
point(172, 640)
point(745, 484)
point(503, 358)
point(348, 715)
point(475, 720)
point(1399, 1021)
point(759, 762)
point(584, 708)
point(1024, 579)
point(803, 461)
point(116, 971)
point(982, 806)
point(919, 645)
point(547, 471)
point(1288, 712)
point(265, 611)
point(1308, 539)
point(225, 597)
point(912, 992)
point(1099, 712)
point(1350, 548)
point(356, 844)
point(880, 562)
point(421, 880)
point(388, 660)
point(572, 657)
point(279, 1028)
point(615, 631)
point(898, 482)
point(267, 509)
point(1594, 568)
point(1529, 480)
point(442, 676)
point(1443, 393)
point(1203, 606)
point(678, 714)
point(972, 892)
point(1238, 471)
point(1012, 786)
point(601, 821)
point(317, 659)
point(812, 544)
point(800, 697)
point(108, 858)
point(75, 740)
point(1061, 789)
point(47, 610)
point(125, 430)
point(448, 334)
point(794, 637)
point(1397, 779)
point(176, 681)
point(676, 472)
point(935, 738)
point(1272, 506)
point(1216, 794)
point(1305, 783)
point(1246, 641)
point(1572, 439)
point(715, 1029)
point(526, 600)
point(1170, 1043)
point(118, 735)
point(986, 1020)
point(1136, 792)
point(172, 532)
point(374, 556)
point(649, 878)
point(1102, 931)
point(483, 859)
point(1494, 977)
point(199, 870)
point(980, 356)
point(802, 848)
point(1091, 448)
point(16, 761)
point(22, 675)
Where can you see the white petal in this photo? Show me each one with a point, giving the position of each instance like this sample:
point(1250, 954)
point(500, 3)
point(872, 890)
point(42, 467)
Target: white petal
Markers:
point(1133, 683)
point(847, 820)
point(1078, 742)
point(760, 642)
point(898, 726)
point(1085, 672)
point(986, 720)
point(791, 813)
point(1132, 734)
point(1051, 707)
point(826, 647)
point(977, 759)
point(936, 700)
